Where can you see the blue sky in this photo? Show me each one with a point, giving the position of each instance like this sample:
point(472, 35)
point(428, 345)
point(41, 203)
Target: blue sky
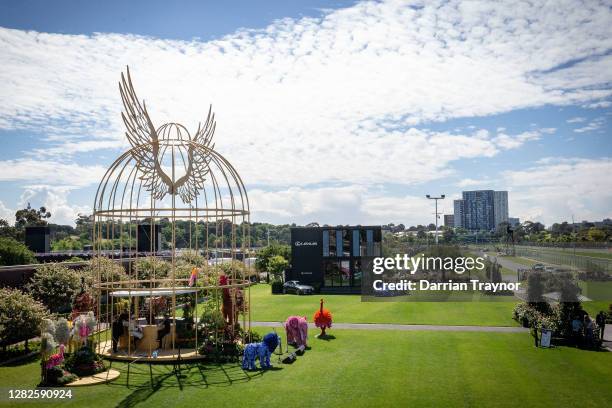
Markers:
point(337, 112)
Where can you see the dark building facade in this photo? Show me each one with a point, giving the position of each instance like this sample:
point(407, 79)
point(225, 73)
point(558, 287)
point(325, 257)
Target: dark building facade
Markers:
point(37, 239)
point(332, 257)
point(146, 243)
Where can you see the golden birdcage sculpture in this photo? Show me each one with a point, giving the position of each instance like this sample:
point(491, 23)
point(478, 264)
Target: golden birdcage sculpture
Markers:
point(169, 176)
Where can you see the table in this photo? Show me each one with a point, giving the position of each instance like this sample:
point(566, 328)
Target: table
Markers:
point(149, 341)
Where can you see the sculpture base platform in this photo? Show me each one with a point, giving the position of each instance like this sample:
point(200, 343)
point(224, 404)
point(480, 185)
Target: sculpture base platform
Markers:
point(163, 356)
point(100, 378)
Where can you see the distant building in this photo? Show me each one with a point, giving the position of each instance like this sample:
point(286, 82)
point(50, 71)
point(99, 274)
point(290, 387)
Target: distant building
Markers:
point(478, 210)
point(449, 220)
point(333, 257)
point(500, 207)
point(458, 213)
point(514, 222)
point(481, 209)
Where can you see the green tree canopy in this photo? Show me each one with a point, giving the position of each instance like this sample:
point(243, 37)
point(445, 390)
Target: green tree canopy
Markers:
point(266, 253)
point(276, 266)
point(13, 252)
point(55, 285)
point(30, 216)
point(20, 316)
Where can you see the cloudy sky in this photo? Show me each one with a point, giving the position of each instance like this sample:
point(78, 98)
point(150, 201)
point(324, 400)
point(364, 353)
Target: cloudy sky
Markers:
point(337, 112)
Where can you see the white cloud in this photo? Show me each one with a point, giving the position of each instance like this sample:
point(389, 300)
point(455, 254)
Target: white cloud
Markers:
point(6, 213)
point(313, 87)
point(595, 124)
point(55, 199)
point(50, 172)
point(339, 206)
point(470, 182)
point(557, 188)
point(577, 119)
point(505, 141)
point(331, 100)
point(598, 105)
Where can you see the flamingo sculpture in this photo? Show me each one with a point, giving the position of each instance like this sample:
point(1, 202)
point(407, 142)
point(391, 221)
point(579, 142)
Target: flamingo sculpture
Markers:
point(323, 319)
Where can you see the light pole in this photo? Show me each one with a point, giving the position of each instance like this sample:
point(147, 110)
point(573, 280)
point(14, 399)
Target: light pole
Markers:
point(437, 214)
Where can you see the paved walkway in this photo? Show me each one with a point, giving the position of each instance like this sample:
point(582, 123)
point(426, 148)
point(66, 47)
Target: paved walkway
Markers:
point(408, 327)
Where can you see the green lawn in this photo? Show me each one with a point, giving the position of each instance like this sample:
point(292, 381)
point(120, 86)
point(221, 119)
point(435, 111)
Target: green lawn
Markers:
point(364, 369)
point(350, 309)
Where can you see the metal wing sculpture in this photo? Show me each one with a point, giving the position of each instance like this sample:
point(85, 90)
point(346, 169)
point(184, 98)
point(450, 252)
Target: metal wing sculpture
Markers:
point(146, 148)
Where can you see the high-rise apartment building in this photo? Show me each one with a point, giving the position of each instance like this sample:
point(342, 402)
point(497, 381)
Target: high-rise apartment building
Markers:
point(481, 209)
point(449, 220)
point(500, 207)
point(458, 213)
point(478, 210)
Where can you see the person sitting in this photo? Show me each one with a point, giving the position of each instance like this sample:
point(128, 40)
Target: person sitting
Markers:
point(117, 330)
point(164, 328)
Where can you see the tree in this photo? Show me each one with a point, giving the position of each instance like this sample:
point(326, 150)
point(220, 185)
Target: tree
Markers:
point(149, 267)
point(110, 270)
point(20, 317)
point(535, 287)
point(595, 234)
point(277, 266)
point(265, 254)
point(55, 285)
point(29, 216)
point(66, 244)
point(7, 230)
point(13, 252)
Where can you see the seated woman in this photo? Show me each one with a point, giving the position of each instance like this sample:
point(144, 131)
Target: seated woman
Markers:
point(164, 328)
point(117, 329)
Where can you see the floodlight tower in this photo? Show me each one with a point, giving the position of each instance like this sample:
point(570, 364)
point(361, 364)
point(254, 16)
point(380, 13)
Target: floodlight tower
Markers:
point(437, 214)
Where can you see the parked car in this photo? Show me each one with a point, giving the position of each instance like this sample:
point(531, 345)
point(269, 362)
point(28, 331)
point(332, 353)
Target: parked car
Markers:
point(297, 288)
point(538, 267)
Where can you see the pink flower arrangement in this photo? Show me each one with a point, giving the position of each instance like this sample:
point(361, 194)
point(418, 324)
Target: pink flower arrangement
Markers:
point(56, 359)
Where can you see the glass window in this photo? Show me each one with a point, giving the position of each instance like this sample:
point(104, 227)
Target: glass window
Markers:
point(357, 273)
point(370, 242)
point(377, 243)
point(325, 243)
point(332, 243)
point(338, 242)
point(332, 275)
point(355, 242)
point(345, 273)
point(346, 243)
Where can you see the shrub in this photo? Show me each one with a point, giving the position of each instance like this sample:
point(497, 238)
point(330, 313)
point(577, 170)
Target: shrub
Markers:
point(58, 376)
point(55, 285)
point(84, 362)
point(20, 316)
point(277, 287)
point(110, 270)
point(276, 266)
point(526, 314)
point(148, 267)
point(13, 252)
point(535, 287)
point(192, 257)
point(264, 255)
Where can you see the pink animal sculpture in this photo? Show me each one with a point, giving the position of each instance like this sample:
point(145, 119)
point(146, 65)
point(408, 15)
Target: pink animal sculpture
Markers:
point(297, 330)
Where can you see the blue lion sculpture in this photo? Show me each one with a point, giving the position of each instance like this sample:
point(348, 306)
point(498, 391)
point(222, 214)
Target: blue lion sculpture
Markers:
point(262, 350)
